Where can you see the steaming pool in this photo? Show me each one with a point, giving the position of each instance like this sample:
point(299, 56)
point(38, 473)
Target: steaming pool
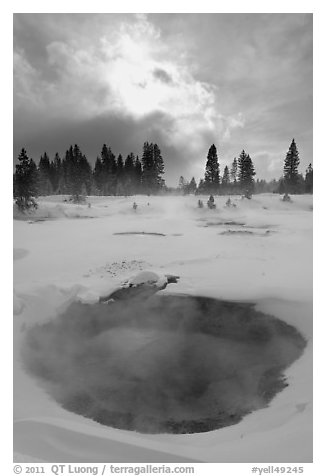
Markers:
point(164, 364)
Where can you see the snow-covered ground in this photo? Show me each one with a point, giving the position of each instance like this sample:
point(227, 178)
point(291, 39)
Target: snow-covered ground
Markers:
point(259, 251)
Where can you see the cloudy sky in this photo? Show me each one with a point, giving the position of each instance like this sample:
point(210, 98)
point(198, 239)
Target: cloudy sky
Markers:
point(185, 81)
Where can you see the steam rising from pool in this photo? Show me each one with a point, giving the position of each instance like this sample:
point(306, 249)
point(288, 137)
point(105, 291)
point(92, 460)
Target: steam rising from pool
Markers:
point(166, 364)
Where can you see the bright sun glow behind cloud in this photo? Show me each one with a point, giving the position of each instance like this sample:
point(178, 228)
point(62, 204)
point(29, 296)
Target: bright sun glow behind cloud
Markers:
point(132, 62)
point(144, 78)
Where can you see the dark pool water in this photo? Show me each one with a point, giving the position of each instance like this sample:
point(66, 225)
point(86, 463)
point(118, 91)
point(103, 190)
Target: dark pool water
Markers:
point(166, 364)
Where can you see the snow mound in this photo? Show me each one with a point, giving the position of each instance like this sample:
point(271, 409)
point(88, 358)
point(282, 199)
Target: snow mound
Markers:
point(147, 277)
point(140, 286)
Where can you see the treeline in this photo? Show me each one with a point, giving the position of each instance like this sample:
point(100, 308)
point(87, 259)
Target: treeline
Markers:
point(238, 177)
point(73, 174)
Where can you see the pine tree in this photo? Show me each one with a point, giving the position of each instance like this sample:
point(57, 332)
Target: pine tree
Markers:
point(109, 171)
point(120, 185)
point(246, 173)
point(226, 176)
point(225, 183)
point(130, 175)
point(201, 189)
point(77, 173)
point(159, 183)
point(120, 168)
point(56, 173)
point(129, 165)
point(64, 185)
point(148, 168)
point(309, 179)
point(290, 170)
point(234, 171)
point(98, 175)
point(153, 168)
point(182, 184)
point(240, 167)
point(192, 186)
point(212, 171)
point(85, 174)
point(138, 175)
point(25, 182)
point(44, 176)
point(68, 170)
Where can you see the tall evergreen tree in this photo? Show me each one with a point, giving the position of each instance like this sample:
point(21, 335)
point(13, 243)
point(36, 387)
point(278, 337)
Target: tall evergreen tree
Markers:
point(68, 170)
point(78, 173)
point(234, 171)
point(148, 168)
point(158, 168)
point(138, 175)
point(64, 186)
point(226, 176)
point(25, 182)
point(309, 179)
point(212, 171)
point(192, 186)
point(109, 171)
point(98, 175)
point(120, 187)
point(86, 174)
point(129, 165)
point(130, 175)
point(182, 184)
point(56, 173)
point(44, 176)
point(120, 167)
point(290, 170)
point(201, 189)
point(153, 168)
point(246, 172)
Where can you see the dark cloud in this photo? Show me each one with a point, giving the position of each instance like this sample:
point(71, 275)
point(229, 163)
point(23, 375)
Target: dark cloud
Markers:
point(124, 134)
